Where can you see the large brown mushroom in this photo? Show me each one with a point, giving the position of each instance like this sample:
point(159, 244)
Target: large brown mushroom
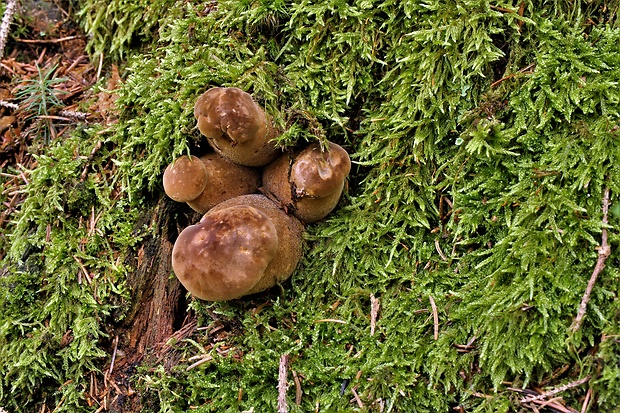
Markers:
point(242, 246)
point(309, 183)
point(235, 126)
point(225, 180)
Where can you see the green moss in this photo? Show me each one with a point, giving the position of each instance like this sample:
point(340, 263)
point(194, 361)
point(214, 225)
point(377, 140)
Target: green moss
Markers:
point(482, 141)
point(120, 26)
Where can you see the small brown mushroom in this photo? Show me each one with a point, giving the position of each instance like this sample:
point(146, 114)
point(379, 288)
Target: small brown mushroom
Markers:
point(235, 126)
point(311, 182)
point(242, 246)
point(225, 180)
point(185, 178)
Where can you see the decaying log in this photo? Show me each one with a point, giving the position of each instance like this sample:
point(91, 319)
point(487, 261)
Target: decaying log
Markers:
point(157, 305)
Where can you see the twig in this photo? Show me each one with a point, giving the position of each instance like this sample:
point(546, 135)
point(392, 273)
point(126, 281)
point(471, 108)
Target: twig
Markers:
point(435, 318)
point(502, 9)
point(48, 41)
point(510, 76)
point(466, 348)
point(21, 173)
point(584, 407)
point(282, 384)
point(100, 67)
point(53, 117)
point(603, 252)
point(74, 64)
point(93, 221)
point(118, 389)
point(298, 392)
point(74, 114)
point(6, 24)
point(92, 392)
point(552, 405)
point(9, 105)
point(374, 313)
point(553, 392)
point(520, 13)
point(203, 359)
point(114, 355)
point(357, 398)
point(439, 251)
point(482, 395)
point(41, 56)
point(84, 270)
point(330, 320)
point(60, 403)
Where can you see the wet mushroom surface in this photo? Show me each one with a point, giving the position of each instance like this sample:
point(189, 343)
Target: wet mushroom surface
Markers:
point(226, 254)
point(225, 180)
point(185, 178)
point(242, 246)
point(310, 182)
point(289, 230)
point(236, 126)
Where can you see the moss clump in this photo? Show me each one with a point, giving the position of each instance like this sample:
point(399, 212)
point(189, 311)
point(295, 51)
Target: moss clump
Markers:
point(484, 136)
point(122, 25)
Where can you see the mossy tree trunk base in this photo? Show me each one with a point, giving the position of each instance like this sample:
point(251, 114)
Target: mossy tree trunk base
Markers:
point(157, 307)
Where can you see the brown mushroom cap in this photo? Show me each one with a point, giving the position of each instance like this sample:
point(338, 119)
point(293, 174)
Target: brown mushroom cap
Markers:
point(311, 182)
point(289, 231)
point(185, 179)
point(226, 254)
point(226, 180)
point(235, 126)
point(317, 174)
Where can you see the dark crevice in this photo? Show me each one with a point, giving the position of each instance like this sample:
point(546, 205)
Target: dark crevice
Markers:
point(501, 41)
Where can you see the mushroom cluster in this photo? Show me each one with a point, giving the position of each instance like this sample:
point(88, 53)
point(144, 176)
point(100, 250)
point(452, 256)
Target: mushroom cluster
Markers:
point(250, 236)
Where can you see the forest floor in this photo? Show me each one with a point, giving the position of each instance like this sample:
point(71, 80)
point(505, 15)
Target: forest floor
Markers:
point(481, 206)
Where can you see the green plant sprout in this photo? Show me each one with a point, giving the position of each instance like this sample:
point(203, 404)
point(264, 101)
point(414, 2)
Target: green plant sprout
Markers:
point(39, 95)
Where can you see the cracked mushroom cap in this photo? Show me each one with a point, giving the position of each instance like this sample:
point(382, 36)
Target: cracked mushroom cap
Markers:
point(317, 173)
point(311, 182)
point(226, 254)
point(185, 178)
point(235, 126)
point(225, 180)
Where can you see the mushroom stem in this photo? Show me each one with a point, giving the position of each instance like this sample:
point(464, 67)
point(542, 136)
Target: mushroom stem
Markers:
point(225, 180)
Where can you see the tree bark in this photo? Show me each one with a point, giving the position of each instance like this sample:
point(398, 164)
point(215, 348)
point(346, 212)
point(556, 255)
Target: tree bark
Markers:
point(158, 305)
point(156, 309)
